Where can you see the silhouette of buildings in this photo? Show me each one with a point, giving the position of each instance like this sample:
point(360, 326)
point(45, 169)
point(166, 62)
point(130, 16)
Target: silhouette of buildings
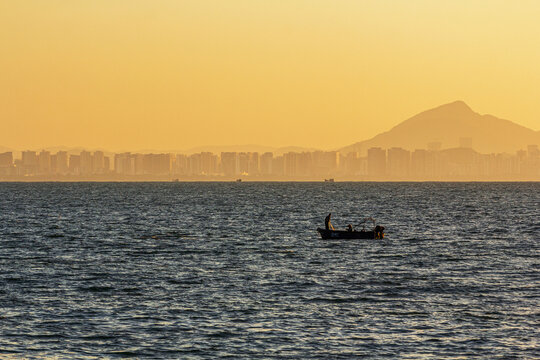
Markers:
point(376, 163)
point(395, 164)
point(6, 164)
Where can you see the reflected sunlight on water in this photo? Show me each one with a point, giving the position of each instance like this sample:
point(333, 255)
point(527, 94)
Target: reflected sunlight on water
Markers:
point(222, 269)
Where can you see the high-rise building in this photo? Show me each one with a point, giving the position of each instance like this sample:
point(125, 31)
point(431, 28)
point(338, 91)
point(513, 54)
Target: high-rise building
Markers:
point(62, 162)
point(181, 164)
point(98, 162)
point(106, 164)
point(6, 163)
point(376, 162)
point(353, 164)
point(124, 164)
point(398, 162)
point(30, 163)
point(141, 167)
point(325, 162)
point(54, 163)
point(243, 163)
point(162, 164)
point(419, 163)
point(278, 166)
point(6, 159)
point(229, 163)
point(304, 164)
point(86, 163)
point(209, 163)
point(253, 165)
point(290, 164)
point(195, 164)
point(266, 163)
point(44, 160)
point(75, 164)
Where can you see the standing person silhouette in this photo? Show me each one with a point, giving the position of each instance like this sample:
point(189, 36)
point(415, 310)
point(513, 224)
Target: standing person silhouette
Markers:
point(327, 223)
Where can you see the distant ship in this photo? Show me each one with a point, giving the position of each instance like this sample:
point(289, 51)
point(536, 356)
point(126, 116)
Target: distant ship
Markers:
point(238, 180)
point(329, 180)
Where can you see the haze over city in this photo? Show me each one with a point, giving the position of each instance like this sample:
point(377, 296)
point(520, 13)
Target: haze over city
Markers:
point(277, 179)
point(170, 75)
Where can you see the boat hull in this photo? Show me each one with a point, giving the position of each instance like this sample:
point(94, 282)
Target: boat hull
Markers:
point(341, 234)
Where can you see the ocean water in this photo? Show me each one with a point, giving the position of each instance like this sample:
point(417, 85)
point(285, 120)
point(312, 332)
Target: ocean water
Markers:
point(237, 270)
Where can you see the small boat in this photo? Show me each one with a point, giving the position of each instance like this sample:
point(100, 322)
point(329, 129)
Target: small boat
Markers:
point(376, 233)
point(344, 234)
point(238, 180)
point(329, 180)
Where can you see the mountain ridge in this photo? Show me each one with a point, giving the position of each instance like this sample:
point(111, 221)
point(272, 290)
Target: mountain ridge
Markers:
point(448, 123)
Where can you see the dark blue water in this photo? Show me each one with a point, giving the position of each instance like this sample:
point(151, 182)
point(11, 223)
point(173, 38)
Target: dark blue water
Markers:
point(210, 270)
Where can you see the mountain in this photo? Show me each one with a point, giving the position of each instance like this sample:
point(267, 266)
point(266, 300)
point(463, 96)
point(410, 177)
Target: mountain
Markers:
point(447, 124)
point(217, 149)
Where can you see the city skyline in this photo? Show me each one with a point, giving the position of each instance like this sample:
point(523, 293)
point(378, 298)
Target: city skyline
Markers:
point(461, 163)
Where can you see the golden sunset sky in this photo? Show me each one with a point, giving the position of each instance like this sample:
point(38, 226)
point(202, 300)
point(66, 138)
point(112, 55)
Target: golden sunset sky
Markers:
point(155, 74)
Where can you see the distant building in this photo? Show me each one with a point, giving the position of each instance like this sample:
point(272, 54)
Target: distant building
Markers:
point(253, 164)
point(325, 162)
point(209, 163)
point(6, 163)
point(278, 166)
point(44, 160)
point(98, 162)
point(290, 164)
point(181, 164)
point(6, 159)
point(62, 163)
point(106, 164)
point(419, 160)
point(266, 163)
point(243, 163)
point(229, 163)
point(29, 163)
point(75, 164)
point(195, 167)
point(376, 162)
point(398, 162)
point(86, 163)
point(124, 164)
point(141, 166)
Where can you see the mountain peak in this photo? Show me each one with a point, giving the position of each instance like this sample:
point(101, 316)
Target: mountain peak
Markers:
point(447, 124)
point(455, 107)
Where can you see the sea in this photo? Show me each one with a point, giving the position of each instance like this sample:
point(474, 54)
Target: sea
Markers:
point(238, 271)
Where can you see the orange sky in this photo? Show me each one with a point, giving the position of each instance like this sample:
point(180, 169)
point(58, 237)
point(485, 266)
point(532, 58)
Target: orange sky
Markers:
point(133, 74)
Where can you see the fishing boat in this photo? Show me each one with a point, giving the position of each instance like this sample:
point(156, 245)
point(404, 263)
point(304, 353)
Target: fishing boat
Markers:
point(376, 233)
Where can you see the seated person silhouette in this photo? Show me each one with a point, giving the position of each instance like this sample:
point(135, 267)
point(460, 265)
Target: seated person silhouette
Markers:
point(327, 223)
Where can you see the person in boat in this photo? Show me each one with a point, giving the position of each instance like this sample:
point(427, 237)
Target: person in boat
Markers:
point(327, 223)
point(349, 227)
point(379, 232)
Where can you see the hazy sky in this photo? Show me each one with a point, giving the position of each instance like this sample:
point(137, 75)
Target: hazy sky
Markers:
point(128, 74)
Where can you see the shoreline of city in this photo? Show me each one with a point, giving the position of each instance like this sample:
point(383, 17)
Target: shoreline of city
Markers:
point(460, 164)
